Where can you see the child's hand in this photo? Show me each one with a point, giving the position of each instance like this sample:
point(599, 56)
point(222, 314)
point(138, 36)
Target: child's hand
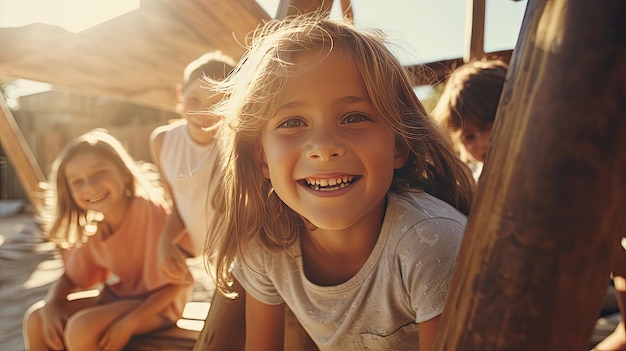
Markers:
point(175, 268)
point(53, 318)
point(116, 337)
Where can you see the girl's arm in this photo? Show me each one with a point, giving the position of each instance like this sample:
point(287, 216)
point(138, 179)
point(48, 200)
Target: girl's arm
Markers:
point(55, 312)
point(142, 319)
point(171, 229)
point(150, 308)
point(427, 330)
point(265, 325)
point(173, 223)
point(59, 291)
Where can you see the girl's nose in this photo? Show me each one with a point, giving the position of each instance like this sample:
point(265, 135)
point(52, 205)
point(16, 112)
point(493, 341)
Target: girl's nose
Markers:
point(88, 185)
point(325, 147)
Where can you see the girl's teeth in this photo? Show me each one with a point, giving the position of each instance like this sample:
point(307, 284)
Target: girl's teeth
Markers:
point(97, 199)
point(330, 184)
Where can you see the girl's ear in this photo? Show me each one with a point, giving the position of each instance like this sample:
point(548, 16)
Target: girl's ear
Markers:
point(128, 181)
point(128, 176)
point(180, 97)
point(259, 159)
point(402, 154)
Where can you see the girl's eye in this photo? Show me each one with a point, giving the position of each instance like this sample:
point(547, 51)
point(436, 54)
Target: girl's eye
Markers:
point(76, 184)
point(292, 123)
point(468, 137)
point(355, 117)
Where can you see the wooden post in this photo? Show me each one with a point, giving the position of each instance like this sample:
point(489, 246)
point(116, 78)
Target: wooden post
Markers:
point(474, 30)
point(20, 155)
point(225, 327)
point(551, 206)
point(296, 7)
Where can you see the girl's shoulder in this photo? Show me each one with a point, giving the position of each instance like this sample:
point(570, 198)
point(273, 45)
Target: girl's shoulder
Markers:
point(425, 226)
point(419, 205)
point(141, 206)
point(169, 128)
point(144, 218)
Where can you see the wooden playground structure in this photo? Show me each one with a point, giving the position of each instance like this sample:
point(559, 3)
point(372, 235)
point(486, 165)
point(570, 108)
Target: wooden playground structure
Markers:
point(550, 209)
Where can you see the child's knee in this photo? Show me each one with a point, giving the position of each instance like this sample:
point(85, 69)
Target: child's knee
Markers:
point(32, 319)
point(79, 333)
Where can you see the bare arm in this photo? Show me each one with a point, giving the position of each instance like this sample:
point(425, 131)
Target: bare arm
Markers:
point(151, 307)
point(173, 223)
point(427, 330)
point(143, 318)
point(265, 326)
point(55, 312)
point(59, 291)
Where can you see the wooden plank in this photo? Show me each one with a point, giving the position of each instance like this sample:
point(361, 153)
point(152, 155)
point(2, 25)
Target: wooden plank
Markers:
point(346, 9)
point(139, 56)
point(549, 212)
point(171, 339)
point(296, 7)
point(474, 30)
point(433, 73)
point(225, 327)
point(20, 155)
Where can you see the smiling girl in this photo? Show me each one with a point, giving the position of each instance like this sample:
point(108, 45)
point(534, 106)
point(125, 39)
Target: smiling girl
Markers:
point(342, 199)
point(105, 216)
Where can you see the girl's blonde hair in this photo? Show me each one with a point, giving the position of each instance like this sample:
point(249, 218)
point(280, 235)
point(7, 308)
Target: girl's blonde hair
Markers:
point(65, 223)
point(249, 206)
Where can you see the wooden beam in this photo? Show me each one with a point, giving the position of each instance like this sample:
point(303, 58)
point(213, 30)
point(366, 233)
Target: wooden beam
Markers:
point(296, 7)
point(433, 73)
point(474, 30)
point(20, 155)
point(549, 213)
point(346, 9)
point(225, 327)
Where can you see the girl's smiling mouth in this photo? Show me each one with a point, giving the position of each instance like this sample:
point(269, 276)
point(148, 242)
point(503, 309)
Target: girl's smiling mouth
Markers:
point(97, 199)
point(329, 184)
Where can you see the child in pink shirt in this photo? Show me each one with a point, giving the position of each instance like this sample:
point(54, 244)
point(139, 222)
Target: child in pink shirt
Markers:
point(106, 217)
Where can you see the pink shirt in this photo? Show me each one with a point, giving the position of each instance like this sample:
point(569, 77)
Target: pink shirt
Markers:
point(129, 254)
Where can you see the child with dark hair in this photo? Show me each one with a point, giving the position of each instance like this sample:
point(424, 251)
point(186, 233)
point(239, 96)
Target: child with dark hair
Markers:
point(467, 108)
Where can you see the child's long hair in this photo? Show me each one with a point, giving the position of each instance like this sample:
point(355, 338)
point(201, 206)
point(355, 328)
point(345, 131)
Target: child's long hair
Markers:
point(65, 223)
point(248, 203)
point(471, 96)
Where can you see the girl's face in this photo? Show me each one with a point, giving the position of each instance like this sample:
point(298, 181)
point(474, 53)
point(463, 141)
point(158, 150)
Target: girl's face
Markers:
point(476, 140)
point(328, 154)
point(95, 183)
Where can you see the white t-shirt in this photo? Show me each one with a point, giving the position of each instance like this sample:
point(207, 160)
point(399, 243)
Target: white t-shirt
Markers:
point(189, 169)
point(403, 282)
